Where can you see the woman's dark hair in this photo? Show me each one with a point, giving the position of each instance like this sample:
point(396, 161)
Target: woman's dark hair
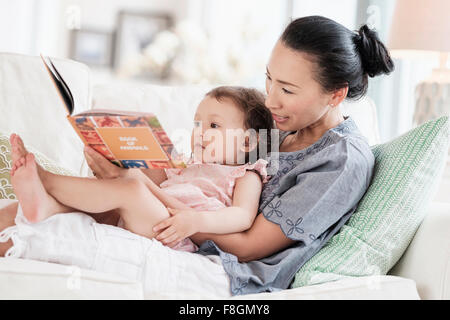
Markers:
point(251, 101)
point(343, 57)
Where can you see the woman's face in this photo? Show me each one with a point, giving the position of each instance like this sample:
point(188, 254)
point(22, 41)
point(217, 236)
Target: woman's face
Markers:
point(295, 99)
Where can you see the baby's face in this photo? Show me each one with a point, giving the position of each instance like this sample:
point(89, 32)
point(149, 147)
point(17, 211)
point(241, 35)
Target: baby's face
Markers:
point(218, 135)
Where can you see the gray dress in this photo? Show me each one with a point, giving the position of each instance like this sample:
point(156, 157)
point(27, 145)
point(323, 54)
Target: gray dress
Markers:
point(311, 195)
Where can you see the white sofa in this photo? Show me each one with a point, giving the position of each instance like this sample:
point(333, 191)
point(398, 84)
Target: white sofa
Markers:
point(30, 106)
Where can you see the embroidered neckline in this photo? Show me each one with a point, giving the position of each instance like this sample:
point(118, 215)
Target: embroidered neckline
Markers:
point(346, 126)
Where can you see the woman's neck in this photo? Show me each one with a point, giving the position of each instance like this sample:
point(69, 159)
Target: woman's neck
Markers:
point(309, 135)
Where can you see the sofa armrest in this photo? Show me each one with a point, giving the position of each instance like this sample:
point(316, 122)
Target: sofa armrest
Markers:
point(427, 259)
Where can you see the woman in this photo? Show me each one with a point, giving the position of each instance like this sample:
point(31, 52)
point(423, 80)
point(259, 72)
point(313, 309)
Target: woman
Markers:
point(321, 172)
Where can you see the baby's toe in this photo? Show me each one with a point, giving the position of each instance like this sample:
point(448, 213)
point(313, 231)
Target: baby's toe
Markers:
point(20, 141)
point(29, 158)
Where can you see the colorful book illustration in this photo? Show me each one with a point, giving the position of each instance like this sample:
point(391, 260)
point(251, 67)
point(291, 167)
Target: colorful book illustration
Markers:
point(127, 139)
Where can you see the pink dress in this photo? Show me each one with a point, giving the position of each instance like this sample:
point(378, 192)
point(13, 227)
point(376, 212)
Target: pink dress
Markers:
point(207, 187)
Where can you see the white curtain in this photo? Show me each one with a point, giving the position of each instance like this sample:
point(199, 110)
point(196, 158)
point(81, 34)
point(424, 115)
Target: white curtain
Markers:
point(342, 11)
point(16, 22)
point(31, 27)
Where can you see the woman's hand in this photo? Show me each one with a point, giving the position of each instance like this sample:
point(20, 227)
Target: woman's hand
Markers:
point(181, 224)
point(102, 167)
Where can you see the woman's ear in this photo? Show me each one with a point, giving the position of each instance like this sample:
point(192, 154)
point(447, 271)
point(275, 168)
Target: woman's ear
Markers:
point(338, 96)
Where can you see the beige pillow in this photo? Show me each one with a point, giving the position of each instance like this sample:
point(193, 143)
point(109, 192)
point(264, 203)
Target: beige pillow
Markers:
point(6, 189)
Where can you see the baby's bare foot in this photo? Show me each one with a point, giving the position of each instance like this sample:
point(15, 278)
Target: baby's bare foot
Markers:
point(33, 198)
point(17, 164)
point(18, 149)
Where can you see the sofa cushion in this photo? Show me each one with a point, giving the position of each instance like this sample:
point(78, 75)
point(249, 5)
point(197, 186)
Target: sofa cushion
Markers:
point(6, 190)
point(29, 279)
point(405, 178)
point(427, 259)
point(351, 288)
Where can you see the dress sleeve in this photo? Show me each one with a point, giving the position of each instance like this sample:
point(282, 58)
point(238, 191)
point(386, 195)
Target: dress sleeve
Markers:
point(260, 167)
point(320, 195)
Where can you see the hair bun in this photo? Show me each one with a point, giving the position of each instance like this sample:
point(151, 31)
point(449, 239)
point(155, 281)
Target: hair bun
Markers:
point(375, 57)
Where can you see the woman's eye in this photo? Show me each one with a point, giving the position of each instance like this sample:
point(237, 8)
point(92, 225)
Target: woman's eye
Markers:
point(214, 125)
point(286, 91)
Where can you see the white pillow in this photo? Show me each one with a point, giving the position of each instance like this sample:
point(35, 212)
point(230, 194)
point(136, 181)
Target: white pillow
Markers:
point(31, 107)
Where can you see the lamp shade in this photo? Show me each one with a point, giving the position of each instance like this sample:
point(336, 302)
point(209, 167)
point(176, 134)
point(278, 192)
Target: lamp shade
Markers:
point(420, 25)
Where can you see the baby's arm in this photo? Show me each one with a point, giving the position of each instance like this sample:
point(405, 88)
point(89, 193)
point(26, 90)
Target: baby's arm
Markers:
point(241, 214)
point(238, 217)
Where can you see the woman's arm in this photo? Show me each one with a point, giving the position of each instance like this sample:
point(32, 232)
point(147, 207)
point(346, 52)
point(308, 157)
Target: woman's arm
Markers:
point(263, 239)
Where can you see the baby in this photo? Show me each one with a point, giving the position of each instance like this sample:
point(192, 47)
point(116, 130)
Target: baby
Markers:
point(218, 191)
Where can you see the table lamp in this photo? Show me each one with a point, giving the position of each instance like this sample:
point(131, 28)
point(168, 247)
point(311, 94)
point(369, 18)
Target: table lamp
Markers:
point(421, 29)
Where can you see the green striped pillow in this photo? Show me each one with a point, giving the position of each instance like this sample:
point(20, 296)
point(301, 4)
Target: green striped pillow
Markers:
point(405, 179)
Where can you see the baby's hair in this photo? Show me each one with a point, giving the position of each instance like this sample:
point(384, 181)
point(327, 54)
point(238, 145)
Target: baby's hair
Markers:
point(251, 101)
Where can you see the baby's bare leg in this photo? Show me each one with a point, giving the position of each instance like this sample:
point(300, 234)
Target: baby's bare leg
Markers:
point(19, 151)
point(35, 202)
point(138, 207)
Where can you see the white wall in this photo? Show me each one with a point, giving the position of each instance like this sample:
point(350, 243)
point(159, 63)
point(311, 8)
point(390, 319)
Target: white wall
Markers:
point(101, 14)
point(250, 26)
point(16, 22)
point(342, 11)
point(35, 26)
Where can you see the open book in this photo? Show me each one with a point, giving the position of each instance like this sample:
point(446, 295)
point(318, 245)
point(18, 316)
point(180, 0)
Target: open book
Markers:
point(127, 139)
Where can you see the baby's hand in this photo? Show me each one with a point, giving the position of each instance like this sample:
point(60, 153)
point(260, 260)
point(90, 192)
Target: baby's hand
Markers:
point(181, 225)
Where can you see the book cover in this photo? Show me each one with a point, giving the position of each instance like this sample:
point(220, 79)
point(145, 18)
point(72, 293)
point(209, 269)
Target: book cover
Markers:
point(127, 139)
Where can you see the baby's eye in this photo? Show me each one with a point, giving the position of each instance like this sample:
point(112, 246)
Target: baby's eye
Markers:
point(214, 125)
point(286, 91)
